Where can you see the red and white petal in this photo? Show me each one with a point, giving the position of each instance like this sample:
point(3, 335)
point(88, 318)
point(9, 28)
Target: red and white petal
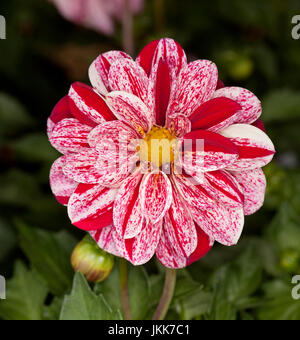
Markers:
point(140, 249)
point(167, 253)
point(254, 185)
point(193, 194)
point(162, 50)
point(131, 110)
point(180, 227)
point(255, 147)
point(155, 196)
point(259, 124)
point(225, 188)
point(204, 151)
point(126, 76)
point(225, 225)
point(215, 114)
point(179, 126)
point(61, 111)
point(99, 70)
point(251, 105)
point(205, 243)
point(196, 85)
point(105, 239)
point(91, 207)
point(88, 106)
point(128, 217)
point(69, 135)
point(81, 167)
point(61, 185)
point(115, 131)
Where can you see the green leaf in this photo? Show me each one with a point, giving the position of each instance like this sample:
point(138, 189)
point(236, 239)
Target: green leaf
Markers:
point(52, 311)
point(25, 295)
point(281, 305)
point(13, 116)
point(84, 304)
point(240, 278)
point(139, 291)
point(49, 253)
point(281, 106)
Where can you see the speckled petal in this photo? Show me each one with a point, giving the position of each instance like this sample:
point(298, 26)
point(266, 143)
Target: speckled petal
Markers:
point(155, 196)
point(99, 70)
point(254, 146)
point(69, 135)
point(130, 109)
point(105, 239)
point(253, 184)
point(126, 76)
point(88, 106)
point(222, 224)
point(61, 185)
point(197, 84)
point(251, 105)
point(90, 207)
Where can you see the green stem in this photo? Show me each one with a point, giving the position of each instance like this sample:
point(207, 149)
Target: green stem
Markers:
point(167, 295)
point(127, 29)
point(123, 270)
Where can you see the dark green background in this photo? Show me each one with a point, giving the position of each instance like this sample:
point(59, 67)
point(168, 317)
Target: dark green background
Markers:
point(251, 43)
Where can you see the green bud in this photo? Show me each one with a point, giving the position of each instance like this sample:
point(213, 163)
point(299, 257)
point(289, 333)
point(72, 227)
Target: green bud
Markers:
point(94, 263)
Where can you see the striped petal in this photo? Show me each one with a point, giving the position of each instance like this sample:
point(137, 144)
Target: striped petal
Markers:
point(61, 111)
point(166, 50)
point(105, 239)
point(88, 106)
point(128, 218)
point(69, 135)
point(251, 105)
point(253, 184)
point(254, 146)
point(92, 168)
point(197, 84)
point(140, 249)
point(131, 110)
point(99, 70)
point(193, 194)
point(125, 75)
point(90, 207)
point(204, 151)
point(225, 225)
point(216, 114)
point(179, 226)
point(155, 196)
point(61, 185)
point(225, 189)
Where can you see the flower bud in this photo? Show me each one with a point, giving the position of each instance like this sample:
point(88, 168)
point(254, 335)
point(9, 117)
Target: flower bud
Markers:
point(94, 263)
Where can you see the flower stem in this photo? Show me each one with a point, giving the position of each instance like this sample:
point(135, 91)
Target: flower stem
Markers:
point(123, 270)
point(167, 295)
point(127, 29)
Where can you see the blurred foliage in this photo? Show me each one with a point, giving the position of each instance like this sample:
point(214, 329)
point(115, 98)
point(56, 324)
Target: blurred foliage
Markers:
point(251, 43)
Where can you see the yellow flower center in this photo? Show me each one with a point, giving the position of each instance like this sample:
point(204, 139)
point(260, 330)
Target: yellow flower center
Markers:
point(157, 147)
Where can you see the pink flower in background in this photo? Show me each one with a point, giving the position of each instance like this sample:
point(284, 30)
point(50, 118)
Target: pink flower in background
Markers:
point(174, 215)
point(98, 15)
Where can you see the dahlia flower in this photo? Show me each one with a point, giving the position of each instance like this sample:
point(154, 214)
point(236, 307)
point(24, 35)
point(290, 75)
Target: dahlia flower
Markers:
point(98, 15)
point(159, 158)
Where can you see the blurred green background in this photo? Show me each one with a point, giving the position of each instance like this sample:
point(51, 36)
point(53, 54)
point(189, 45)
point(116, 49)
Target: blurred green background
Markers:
point(43, 54)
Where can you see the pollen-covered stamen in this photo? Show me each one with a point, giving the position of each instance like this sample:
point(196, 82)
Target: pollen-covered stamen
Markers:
point(157, 147)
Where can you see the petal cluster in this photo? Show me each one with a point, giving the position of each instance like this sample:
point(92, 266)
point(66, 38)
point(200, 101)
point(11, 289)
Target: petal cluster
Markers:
point(132, 208)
